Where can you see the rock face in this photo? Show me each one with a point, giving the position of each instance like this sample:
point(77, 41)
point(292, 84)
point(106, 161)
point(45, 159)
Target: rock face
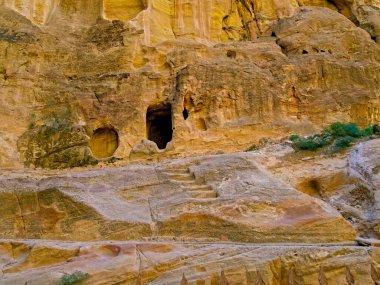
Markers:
point(169, 264)
point(349, 184)
point(365, 165)
point(205, 220)
point(192, 76)
point(152, 101)
point(193, 198)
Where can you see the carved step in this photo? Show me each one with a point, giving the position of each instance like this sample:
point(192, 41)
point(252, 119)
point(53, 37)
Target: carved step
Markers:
point(203, 194)
point(199, 188)
point(186, 183)
point(180, 177)
point(176, 171)
point(186, 180)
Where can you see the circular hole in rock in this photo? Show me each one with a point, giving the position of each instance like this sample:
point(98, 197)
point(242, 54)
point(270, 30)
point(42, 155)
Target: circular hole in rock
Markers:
point(104, 142)
point(231, 54)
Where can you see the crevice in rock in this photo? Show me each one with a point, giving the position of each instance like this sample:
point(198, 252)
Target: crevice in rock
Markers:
point(185, 113)
point(21, 215)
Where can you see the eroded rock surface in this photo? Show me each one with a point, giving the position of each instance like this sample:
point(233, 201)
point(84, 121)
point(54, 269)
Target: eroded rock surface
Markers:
point(169, 263)
point(312, 68)
point(346, 183)
point(197, 202)
point(226, 198)
point(183, 210)
point(162, 95)
point(365, 165)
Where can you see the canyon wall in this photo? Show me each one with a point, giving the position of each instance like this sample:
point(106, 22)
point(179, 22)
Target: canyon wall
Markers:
point(186, 108)
point(214, 20)
point(227, 74)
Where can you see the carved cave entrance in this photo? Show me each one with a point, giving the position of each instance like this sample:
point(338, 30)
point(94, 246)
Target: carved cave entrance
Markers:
point(104, 142)
point(159, 124)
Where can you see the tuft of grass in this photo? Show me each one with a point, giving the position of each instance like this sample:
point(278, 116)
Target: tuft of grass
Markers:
point(75, 278)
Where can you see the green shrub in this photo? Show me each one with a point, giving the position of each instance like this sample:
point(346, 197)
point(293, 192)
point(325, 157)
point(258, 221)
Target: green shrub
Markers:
point(376, 129)
point(324, 139)
point(344, 142)
point(342, 135)
point(339, 130)
point(368, 131)
point(73, 279)
point(294, 138)
point(371, 130)
point(307, 145)
point(313, 142)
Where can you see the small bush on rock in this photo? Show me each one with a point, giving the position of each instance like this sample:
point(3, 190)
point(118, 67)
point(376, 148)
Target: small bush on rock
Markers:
point(344, 142)
point(368, 131)
point(343, 130)
point(376, 129)
point(313, 142)
point(75, 278)
point(341, 135)
point(294, 138)
point(307, 144)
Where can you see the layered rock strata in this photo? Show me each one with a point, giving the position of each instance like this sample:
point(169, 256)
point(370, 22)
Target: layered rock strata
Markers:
point(173, 264)
point(188, 96)
point(191, 217)
point(226, 198)
point(145, 81)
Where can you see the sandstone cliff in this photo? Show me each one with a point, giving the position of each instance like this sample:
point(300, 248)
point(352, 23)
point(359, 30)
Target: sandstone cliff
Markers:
point(163, 96)
point(222, 75)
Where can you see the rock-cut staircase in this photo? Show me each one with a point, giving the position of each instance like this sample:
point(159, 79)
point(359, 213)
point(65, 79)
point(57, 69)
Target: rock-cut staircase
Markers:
point(183, 177)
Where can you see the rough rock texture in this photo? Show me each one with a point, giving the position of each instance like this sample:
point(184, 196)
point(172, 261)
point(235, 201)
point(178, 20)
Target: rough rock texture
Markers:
point(348, 184)
point(191, 217)
point(162, 95)
point(369, 19)
point(171, 263)
point(365, 165)
point(225, 198)
point(182, 210)
point(217, 20)
point(77, 70)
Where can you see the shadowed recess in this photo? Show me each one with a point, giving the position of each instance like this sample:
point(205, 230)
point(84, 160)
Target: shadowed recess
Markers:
point(159, 124)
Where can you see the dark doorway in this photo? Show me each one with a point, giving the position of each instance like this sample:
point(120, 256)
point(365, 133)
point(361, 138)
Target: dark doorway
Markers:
point(159, 124)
